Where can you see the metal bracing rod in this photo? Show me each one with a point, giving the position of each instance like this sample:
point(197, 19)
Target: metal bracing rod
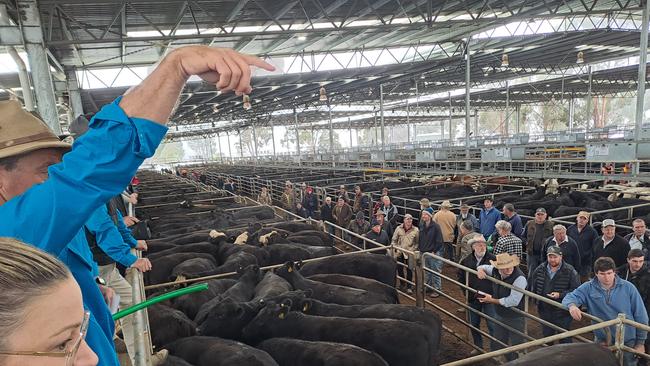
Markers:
point(518, 118)
point(468, 80)
point(350, 130)
point(641, 83)
point(381, 116)
point(272, 135)
point(507, 120)
point(589, 109)
point(229, 148)
point(451, 117)
point(219, 146)
point(408, 122)
point(254, 141)
point(329, 114)
point(572, 110)
point(295, 121)
point(241, 145)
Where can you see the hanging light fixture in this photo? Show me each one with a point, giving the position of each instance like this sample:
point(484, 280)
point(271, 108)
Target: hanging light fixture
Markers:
point(247, 102)
point(323, 94)
point(581, 58)
point(505, 60)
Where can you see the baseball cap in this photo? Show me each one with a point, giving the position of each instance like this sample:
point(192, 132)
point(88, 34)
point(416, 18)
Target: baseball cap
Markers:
point(408, 216)
point(375, 223)
point(609, 222)
point(554, 250)
point(584, 214)
point(541, 209)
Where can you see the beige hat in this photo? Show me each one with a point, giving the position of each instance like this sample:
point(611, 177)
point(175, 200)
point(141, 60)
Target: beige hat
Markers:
point(584, 214)
point(446, 204)
point(505, 260)
point(21, 132)
point(425, 202)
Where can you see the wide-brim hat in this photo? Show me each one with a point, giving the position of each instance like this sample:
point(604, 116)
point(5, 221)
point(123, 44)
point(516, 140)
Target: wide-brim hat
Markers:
point(446, 204)
point(505, 260)
point(21, 132)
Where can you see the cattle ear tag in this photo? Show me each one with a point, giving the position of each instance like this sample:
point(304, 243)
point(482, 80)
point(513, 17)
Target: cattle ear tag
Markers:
point(305, 307)
point(290, 269)
point(281, 315)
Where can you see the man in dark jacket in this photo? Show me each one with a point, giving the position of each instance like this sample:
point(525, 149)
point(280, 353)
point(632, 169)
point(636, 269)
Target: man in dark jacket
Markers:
point(309, 202)
point(479, 256)
point(639, 238)
point(377, 234)
point(326, 214)
point(381, 219)
point(554, 278)
point(535, 233)
point(358, 226)
point(430, 241)
point(585, 236)
point(636, 271)
point(611, 245)
point(361, 201)
point(570, 251)
point(514, 219)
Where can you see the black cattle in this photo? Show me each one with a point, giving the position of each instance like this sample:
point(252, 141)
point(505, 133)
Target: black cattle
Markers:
point(161, 268)
point(175, 361)
point(236, 261)
point(242, 291)
point(271, 285)
point(378, 267)
point(281, 253)
point(568, 355)
point(168, 325)
point(368, 284)
point(325, 237)
point(296, 352)
point(227, 250)
point(191, 303)
point(212, 351)
point(193, 268)
point(194, 237)
point(328, 293)
point(398, 342)
point(203, 247)
point(257, 212)
point(227, 318)
point(308, 240)
point(429, 319)
point(293, 226)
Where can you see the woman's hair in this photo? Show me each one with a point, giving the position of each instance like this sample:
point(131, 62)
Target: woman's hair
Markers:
point(25, 274)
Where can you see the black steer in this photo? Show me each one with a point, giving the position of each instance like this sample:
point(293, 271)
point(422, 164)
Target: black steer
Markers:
point(212, 351)
point(296, 352)
point(168, 325)
point(378, 267)
point(568, 355)
point(368, 284)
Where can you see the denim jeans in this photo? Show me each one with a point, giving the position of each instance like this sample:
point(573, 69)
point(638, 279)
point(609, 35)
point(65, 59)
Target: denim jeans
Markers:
point(475, 321)
point(561, 320)
point(505, 335)
point(629, 359)
point(435, 265)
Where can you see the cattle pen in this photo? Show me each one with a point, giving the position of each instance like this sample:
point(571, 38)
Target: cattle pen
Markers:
point(454, 321)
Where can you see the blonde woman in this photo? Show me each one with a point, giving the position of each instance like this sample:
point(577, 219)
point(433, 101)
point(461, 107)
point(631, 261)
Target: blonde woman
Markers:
point(42, 317)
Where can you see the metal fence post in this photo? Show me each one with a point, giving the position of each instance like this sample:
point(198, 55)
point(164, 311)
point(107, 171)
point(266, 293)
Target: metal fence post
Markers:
point(619, 339)
point(418, 273)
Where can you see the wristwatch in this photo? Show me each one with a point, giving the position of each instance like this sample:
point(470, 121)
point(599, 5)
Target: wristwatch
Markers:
point(100, 281)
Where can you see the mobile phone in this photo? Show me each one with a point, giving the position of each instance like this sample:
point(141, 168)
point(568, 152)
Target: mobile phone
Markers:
point(481, 294)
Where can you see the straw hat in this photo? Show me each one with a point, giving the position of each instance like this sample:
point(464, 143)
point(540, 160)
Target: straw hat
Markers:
point(505, 260)
point(21, 132)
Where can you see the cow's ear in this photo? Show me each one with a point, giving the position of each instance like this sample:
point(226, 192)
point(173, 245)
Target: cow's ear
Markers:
point(289, 266)
point(306, 305)
point(298, 265)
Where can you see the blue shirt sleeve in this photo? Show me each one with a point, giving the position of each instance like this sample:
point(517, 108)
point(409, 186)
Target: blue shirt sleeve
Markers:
point(577, 297)
point(109, 238)
point(100, 165)
point(515, 296)
point(127, 237)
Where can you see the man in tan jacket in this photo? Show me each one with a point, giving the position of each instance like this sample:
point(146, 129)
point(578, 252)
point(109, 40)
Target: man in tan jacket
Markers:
point(405, 237)
point(447, 222)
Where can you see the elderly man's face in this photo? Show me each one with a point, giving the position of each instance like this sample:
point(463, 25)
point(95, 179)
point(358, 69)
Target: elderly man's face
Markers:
point(480, 248)
point(609, 232)
point(386, 201)
point(31, 169)
point(464, 211)
point(639, 228)
point(328, 200)
point(540, 217)
point(408, 222)
point(560, 235)
point(506, 272)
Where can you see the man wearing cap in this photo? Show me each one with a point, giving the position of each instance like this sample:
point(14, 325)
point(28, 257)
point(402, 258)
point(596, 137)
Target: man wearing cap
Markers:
point(425, 204)
point(639, 238)
point(389, 210)
point(585, 237)
point(358, 226)
point(466, 215)
point(430, 241)
point(637, 272)
point(465, 234)
point(606, 296)
point(570, 251)
point(479, 256)
point(447, 222)
point(361, 201)
point(554, 279)
point(343, 192)
point(611, 244)
point(309, 202)
point(503, 299)
point(405, 237)
point(507, 242)
point(381, 219)
point(488, 217)
point(535, 233)
point(513, 218)
point(37, 191)
point(326, 214)
point(378, 234)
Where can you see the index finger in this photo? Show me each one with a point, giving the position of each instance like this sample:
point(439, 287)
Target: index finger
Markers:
point(256, 61)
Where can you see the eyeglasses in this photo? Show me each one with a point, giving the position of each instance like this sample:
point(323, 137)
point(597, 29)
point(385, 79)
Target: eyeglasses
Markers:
point(68, 355)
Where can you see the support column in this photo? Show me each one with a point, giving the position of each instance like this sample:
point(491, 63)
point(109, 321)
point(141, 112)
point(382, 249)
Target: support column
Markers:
point(73, 92)
point(572, 111)
point(408, 121)
point(241, 145)
point(295, 121)
point(229, 148)
point(376, 130)
point(476, 123)
point(219, 146)
point(518, 116)
point(350, 129)
point(331, 133)
point(381, 117)
point(254, 142)
point(643, 59)
point(589, 109)
point(507, 120)
point(272, 137)
point(451, 117)
point(39, 66)
point(313, 138)
point(467, 100)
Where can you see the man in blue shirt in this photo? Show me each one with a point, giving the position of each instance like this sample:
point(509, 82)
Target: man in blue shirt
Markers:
point(606, 296)
point(45, 200)
point(488, 218)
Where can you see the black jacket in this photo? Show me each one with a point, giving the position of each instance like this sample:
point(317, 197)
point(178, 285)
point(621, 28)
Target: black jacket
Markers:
point(326, 213)
point(640, 280)
point(381, 238)
point(473, 281)
point(570, 252)
point(430, 238)
point(565, 280)
point(617, 250)
point(585, 240)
